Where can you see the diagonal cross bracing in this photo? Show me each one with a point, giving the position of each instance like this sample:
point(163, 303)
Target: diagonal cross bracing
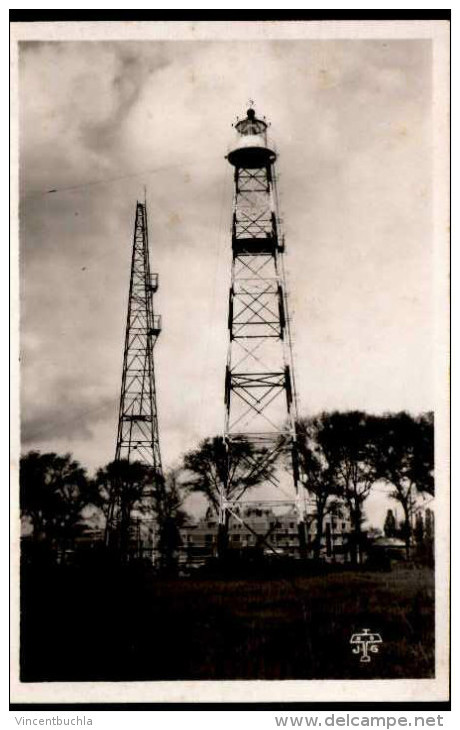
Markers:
point(138, 434)
point(259, 389)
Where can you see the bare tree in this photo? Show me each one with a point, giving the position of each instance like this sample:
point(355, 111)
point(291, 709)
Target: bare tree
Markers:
point(214, 467)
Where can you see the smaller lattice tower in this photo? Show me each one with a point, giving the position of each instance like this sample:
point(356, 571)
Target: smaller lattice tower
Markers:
point(138, 435)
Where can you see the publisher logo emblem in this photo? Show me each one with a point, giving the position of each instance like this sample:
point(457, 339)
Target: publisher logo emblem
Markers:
point(366, 642)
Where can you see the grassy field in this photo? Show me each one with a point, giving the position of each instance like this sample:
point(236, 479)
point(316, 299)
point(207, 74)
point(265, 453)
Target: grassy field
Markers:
point(109, 627)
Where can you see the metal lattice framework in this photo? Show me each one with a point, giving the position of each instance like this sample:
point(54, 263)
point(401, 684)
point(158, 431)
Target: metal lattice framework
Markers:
point(138, 422)
point(138, 435)
point(259, 386)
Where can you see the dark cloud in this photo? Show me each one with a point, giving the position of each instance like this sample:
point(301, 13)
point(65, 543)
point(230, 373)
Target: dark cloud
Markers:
point(352, 123)
point(66, 412)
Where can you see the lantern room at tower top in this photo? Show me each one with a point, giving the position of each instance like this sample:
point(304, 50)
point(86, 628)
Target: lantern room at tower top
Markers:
point(251, 148)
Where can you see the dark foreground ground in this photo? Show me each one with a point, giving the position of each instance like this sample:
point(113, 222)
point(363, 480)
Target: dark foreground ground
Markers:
point(90, 625)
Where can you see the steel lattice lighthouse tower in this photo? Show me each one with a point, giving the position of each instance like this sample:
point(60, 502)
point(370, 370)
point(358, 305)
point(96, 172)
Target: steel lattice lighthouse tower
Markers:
point(138, 436)
point(259, 384)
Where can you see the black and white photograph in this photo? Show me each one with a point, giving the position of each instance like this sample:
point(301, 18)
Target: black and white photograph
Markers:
point(231, 246)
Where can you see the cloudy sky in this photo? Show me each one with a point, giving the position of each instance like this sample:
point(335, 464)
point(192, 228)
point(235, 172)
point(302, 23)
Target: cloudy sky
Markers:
point(99, 120)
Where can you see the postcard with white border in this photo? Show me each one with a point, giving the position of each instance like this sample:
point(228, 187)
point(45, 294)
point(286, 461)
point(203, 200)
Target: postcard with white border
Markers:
point(230, 338)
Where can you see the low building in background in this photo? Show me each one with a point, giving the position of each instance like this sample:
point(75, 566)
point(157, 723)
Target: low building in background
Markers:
point(259, 528)
point(392, 548)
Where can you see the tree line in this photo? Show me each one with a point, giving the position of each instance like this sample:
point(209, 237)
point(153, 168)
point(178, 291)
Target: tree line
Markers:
point(344, 455)
point(341, 456)
point(56, 491)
